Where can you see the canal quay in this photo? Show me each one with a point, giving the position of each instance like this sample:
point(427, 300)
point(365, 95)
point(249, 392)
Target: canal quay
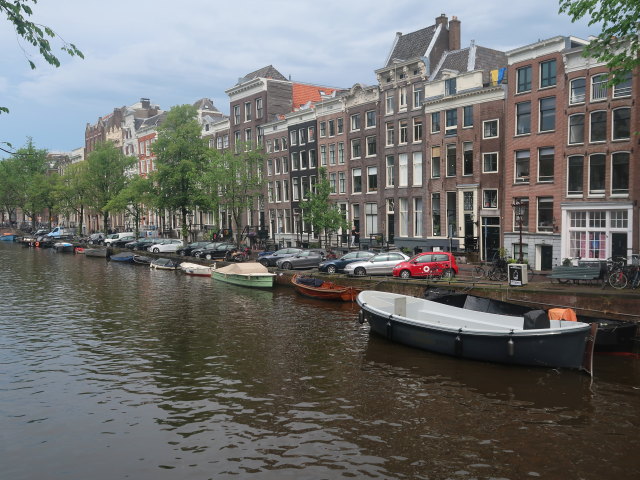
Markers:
point(113, 371)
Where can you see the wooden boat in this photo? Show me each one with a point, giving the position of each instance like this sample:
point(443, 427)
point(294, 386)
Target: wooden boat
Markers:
point(164, 264)
point(142, 260)
point(532, 340)
point(8, 237)
point(123, 257)
point(195, 269)
point(96, 252)
point(78, 250)
point(250, 274)
point(323, 290)
point(613, 335)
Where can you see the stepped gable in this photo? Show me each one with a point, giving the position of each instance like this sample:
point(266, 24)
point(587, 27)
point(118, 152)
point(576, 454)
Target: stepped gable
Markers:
point(411, 45)
point(265, 72)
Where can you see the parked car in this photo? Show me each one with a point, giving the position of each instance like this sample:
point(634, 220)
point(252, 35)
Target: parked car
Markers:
point(429, 264)
point(115, 236)
point(379, 264)
point(337, 264)
point(217, 251)
point(270, 258)
point(303, 259)
point(191, 247)
point(96, 238)
point(168, 245)
point(122, 242)
point(142, 243)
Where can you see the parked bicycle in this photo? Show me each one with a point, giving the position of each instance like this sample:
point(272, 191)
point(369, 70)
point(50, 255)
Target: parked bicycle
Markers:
point(497, 271)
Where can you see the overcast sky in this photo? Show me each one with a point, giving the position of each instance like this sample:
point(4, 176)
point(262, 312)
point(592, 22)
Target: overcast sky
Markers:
point(175, 52)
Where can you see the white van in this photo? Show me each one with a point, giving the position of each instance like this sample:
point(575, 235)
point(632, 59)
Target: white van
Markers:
point(117, 236)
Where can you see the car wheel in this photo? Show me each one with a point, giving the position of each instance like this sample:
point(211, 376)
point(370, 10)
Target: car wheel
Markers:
point(181, 253)
point(331, 269)
point(360, 272)
point(448, 273)
point(287, 266)
point(208, 256)
point(405, 274)
point(196, 255)
point(265, 262)
point(156, 250)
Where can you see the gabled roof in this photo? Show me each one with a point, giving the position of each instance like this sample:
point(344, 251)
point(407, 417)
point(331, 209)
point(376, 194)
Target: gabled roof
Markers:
point(265, 72)
point(304, 93)
point(411, 45)
point(153, 121)
point(470, 59)
point(205, 104)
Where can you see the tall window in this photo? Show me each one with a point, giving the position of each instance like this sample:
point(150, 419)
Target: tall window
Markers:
point(342, 186)
point(523, 118)
point(435, 215)
point(403, 170)
point(547, 73)
point(355, 148)
point(417, 129)
point(295, 185)
point(236, 114)
point(391, 175)
point(390, 137)
point(522, 166)
point(332, 127)
point(356, 179)
point(323, 155)
point(577, 90)
point(402, 94)
point(435, 162)
point(418, 96)
point(372, 179)
point(312, 159)
point(303, 160)
point(598, 126)
point(451, 118)
point(371, 146)
point(371, 218)
point(247, 111)
point(332, 154)
point(340, 125)
point(295, 161)
point(332, 182)
point(403, 221)
point(404, 132)
point(355, 122)
point(259, 109)
point(417, 169)
point(452, 214)
point(490, 198)
point(545, 214)
point(623, 89)
point(389, 102)
point(545, 164)
point(576, 128)
point(599, 87)
point(490, 162)
point(467, 116)
point(371, 118)
point(620, 173)
point(621, 124)
point(340, 153)
point(596, 174)
point(435, 122)
point(451, 160)
point(467, 158)
point(311, 134)
point(523, 75)
point(575, 172)
point(547, 114)
point(417, 217)
point(450, 86)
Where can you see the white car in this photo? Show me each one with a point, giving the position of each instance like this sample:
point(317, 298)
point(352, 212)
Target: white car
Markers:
point(169, 245)
point(380, 264)
point(117, 236)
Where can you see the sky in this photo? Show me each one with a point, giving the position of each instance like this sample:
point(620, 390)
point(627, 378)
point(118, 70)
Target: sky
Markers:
point(176, 52)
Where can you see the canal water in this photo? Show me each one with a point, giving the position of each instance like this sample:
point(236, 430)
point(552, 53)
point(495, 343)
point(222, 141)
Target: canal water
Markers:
point(111, 371)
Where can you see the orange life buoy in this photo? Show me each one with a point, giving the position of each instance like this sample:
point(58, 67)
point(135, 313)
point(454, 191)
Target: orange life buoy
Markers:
point(37, 244)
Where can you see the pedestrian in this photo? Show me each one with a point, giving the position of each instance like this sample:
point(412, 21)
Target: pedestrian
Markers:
point(355, 236)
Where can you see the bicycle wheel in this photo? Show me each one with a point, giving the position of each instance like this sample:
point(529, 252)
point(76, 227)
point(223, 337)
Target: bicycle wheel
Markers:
point(479, 272)
point(530, 273)
point(618, 280)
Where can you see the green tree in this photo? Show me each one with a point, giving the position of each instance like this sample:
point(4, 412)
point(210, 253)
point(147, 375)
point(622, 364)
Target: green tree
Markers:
point(10, 186)
point(182, 156)
point(106, 176)
point(72, 192)
point(40, 36)
point(133, 200)
point(236, 183)
point(318, 210)
point(618, 44)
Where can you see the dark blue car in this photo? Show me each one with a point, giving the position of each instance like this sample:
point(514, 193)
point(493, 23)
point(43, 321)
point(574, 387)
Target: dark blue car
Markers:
point(338, 264)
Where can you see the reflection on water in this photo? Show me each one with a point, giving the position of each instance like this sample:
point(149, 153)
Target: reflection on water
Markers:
point(111, 371)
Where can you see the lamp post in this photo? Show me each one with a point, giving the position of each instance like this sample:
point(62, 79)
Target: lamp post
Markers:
point(517, 208)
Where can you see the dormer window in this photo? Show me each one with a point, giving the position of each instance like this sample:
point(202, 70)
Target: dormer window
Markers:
point(450, 86)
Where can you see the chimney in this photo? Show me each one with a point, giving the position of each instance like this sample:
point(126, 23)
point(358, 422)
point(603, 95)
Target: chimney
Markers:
point(454, 34)
point(442, 19)
point(146, 103)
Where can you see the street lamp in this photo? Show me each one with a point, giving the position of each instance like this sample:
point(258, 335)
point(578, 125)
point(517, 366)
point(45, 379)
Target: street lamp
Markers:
point(518, 210)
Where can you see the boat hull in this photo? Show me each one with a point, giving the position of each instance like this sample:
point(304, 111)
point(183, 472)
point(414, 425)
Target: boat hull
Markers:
point(554, 347)
point(245, 280)
point(325, 290)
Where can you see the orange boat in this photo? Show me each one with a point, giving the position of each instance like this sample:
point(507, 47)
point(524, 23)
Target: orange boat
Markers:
point(323, 290)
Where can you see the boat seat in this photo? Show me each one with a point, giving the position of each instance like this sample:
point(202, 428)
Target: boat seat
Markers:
point(536, 319)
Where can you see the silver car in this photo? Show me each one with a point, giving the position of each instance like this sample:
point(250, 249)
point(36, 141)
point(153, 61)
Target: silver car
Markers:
point(303, 259)
point(380, 264)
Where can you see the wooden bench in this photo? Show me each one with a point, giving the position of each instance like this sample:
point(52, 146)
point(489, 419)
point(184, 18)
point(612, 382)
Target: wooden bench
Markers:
point(565, 274)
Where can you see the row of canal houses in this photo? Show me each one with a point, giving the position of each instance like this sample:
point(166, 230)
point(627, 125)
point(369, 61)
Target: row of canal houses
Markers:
point(454, 147)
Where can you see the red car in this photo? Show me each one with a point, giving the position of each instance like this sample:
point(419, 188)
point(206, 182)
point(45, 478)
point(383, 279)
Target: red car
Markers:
point(429, 264)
